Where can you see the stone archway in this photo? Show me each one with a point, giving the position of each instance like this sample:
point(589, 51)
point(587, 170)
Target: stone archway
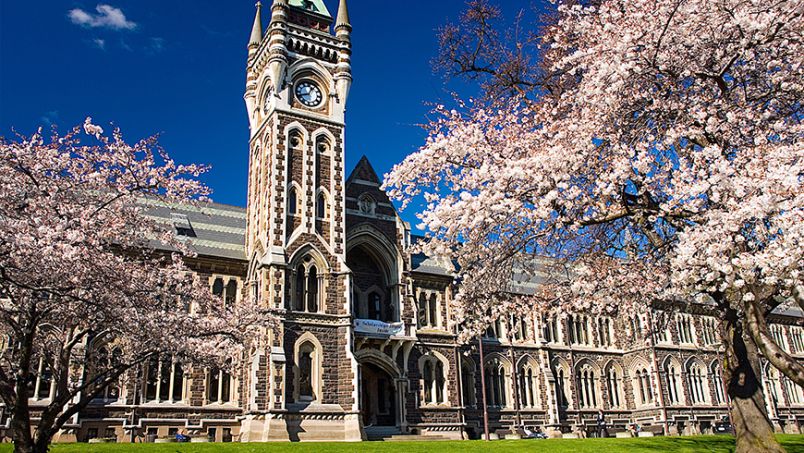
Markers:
point(381, 391)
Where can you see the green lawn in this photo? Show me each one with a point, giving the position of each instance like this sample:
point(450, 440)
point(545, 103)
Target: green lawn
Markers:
point(710, 444)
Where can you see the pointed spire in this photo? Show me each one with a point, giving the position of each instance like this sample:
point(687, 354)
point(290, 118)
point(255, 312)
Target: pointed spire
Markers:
point(256, 30)
point(343, 16)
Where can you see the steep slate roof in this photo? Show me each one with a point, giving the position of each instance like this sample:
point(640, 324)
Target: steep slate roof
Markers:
point(219, 230)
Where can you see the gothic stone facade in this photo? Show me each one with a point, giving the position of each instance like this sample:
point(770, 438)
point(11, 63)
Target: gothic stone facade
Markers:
point(363, 348)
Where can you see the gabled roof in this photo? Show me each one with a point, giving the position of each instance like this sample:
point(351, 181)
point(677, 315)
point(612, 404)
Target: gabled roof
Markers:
point(364, 172)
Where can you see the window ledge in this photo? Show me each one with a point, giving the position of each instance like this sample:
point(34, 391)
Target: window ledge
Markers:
point(442, 406)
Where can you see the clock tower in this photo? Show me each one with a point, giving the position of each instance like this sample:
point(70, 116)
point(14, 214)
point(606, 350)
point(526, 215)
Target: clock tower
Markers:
point(301, 379)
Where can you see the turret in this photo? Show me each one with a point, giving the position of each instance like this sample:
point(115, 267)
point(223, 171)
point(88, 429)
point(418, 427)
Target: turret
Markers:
point(277, 50)
point(256, 32)
point(251, 78)
point(343, 31)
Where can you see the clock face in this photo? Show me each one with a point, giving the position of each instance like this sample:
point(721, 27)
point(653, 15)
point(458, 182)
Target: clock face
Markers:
point(309, 94)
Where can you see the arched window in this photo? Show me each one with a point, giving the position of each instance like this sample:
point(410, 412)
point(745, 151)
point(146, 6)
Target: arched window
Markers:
point(562, 387)
point(696, 383)
point(298, 296)
point(468, 383)
point(306, 374)
point(614, 387)
point(312, 290)
point(587, 387)
point(321, 206)
point(439, 382)
point(427, 374)
point(307, 371)
point(717, 383)
point(293, 202)
point(643, 389)
point(433, 380)
point(497, 386)
point(527, 386)
point(673, 384)
point(307, 287)
point(106, 361)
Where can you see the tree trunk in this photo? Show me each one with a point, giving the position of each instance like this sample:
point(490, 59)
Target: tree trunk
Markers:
point(21, 435)
point(741, 373)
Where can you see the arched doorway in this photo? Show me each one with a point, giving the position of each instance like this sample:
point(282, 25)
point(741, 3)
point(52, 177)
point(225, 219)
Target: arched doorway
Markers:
point(378, 397)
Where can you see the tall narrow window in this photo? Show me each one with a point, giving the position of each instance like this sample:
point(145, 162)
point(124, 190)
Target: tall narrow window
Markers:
point(439, 382)
point(672, 385)
point(375, 306)
point(306, 374)
point(433, 310)
point(423, 309)
point(164, 380)
point(231, 293)
point(561, 388)
point(151, 378)
point(717, 383)
point(177, 389)
point(527, 396)
point(44, 380)
point(640, 384)
point(613, 381)
point(217, 287)
point(468, 383)
point(213, 386)
point(312, 290)
point(299, 289)
point(293, 202)
point(321, 206)
point(428, 381)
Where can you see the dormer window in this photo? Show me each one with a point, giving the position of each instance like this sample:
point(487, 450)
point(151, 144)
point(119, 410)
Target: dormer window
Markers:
point(309, 5)
point(182, 224)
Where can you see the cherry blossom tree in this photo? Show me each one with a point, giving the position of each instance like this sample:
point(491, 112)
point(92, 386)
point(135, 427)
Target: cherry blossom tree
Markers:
point(85, 295)
point(635, 151)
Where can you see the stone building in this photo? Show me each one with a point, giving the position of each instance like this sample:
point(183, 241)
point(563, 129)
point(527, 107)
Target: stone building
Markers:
point(364, 348)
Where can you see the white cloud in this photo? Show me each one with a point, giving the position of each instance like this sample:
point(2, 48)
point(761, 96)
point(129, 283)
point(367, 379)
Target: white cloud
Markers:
point(107, 17)
point(101, 43)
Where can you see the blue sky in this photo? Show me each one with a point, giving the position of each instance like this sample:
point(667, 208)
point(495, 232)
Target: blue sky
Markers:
point(178, 68)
